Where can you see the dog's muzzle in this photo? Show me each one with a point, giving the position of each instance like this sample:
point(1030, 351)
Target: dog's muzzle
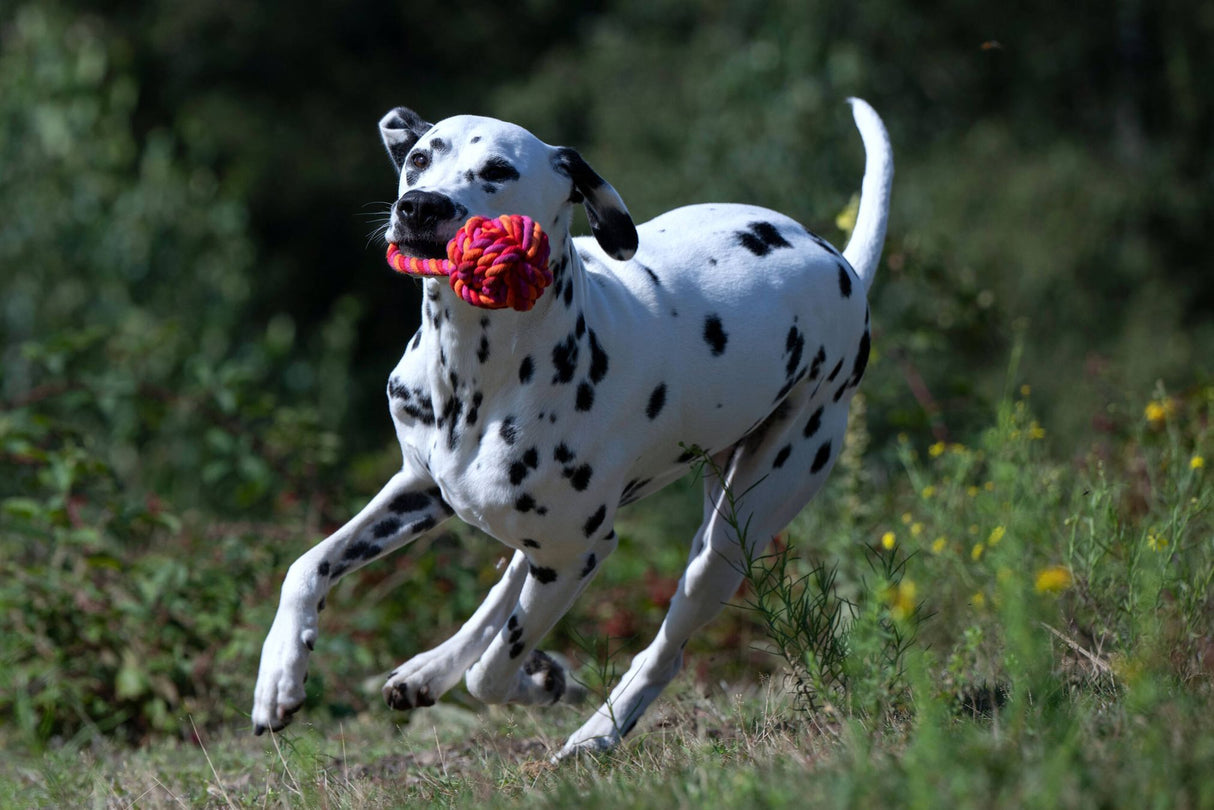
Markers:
point(418, 218)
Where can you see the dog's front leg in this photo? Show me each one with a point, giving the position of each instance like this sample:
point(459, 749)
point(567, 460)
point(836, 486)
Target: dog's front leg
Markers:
point(512, 670)
point(406, 508)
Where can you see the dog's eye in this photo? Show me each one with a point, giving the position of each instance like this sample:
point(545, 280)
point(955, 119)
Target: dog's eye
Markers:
point(419, 160)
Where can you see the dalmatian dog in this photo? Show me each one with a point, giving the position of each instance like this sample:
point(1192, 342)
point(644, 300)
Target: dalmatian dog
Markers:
point(728, 330)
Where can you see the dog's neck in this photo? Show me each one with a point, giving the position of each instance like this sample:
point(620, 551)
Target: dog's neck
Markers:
point(483, 349)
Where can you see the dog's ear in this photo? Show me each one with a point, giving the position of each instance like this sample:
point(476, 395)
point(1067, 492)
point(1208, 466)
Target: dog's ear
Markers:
point(400, 130)
point(609, 218)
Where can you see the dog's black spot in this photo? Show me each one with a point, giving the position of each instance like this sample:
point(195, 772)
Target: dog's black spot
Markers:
point(838, 395)
point(529, 543)
point(470, 176)
point(579, 477)
point(595, 521)
point(563, 454)
point(816, 368)
point(508, 430)
point(591, 562)
point(844, 281)
point(357, 549)
point(715, 335)
point(518, 471)
point(339, 569)
point(814, 423)
point(482, 351)
point(782, 456)
point(475, 139)
point(397, 389)
point(386, 528)
point(498, 170)
point(489, 188)
point(821, 457)
point(474, 411)
point(541, 510)
point(323, 569)
point(568, 296)
point(512, 622)
point(526, 369)
point(564, 359)
point(424, 525)
point(439, 145)
point(762, 238)
point(516, 650)
point(794, 346)
point(516, 635)
point(417, 340)
point(409, 502)
point(598, 360)
point(857, 372)
point(525, 503)
point(452, 411)
point(652, 275)
point(835, 371)
point(580, 327)
point(543, 575)
point(531, 457)
point(657, 401)
point(585, 396)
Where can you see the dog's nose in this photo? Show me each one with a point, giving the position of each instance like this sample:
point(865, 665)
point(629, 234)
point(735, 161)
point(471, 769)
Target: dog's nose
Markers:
point(422, 210)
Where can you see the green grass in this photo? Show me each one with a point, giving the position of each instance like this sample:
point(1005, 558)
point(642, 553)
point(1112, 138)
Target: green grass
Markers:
point(989, 627)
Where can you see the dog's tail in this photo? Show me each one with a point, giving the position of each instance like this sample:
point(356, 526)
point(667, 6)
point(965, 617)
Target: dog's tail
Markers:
point(863, 250)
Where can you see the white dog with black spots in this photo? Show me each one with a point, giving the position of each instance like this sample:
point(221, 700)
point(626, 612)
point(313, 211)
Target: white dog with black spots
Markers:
point(727, 329)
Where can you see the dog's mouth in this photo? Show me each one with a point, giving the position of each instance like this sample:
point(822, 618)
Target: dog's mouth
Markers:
point(421, 248)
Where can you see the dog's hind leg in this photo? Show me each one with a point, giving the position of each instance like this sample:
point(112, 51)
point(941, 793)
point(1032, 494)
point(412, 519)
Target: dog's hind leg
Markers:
point(406, 508)
point(771, 478)
point(421, 680)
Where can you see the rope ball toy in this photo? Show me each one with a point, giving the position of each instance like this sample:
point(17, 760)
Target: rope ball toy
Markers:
point(491, 263)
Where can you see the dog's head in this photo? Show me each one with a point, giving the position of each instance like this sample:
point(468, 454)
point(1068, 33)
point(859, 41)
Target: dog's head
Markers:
point(472, 166)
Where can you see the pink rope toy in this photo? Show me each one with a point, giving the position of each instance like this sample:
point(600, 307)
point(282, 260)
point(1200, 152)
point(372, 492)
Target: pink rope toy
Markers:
point(491, 263)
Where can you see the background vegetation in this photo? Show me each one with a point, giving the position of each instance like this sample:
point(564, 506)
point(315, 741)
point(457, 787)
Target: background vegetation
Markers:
point(197, 323)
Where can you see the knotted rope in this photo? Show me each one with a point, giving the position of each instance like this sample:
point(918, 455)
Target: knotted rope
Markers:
point(491, 263)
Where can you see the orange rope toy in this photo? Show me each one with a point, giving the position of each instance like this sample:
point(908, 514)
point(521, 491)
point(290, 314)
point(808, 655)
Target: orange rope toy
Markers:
point(491, 263)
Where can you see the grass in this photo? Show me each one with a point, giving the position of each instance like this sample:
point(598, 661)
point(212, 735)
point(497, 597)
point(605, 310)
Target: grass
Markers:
point(992, 627)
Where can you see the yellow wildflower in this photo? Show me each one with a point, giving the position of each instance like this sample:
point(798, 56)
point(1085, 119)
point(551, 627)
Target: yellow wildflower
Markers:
point(1196, 463)
point(995, 536)
point(989, 486)
point(938, 545)
point(971, 491)
point(937, 449)
point(1155, 542)
point(901, 599)
point(1159, 411)
point(1055, 579)
point(976, 552)
point(978, 600)
point(929, 490)
point(1025, 390)
point(888, 540)
point(907, 517)
point(916, 529)
point(1036, 431)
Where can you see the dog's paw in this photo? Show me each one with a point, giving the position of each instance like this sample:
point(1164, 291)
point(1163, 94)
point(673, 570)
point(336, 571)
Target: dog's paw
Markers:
point(284, 668)
point(586, 740)
point(420, 681)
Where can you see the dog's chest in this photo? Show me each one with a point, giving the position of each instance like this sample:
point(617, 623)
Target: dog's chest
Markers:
point(507, 446)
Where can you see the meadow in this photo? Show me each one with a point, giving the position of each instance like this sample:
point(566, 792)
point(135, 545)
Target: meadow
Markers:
point(1002, 598)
